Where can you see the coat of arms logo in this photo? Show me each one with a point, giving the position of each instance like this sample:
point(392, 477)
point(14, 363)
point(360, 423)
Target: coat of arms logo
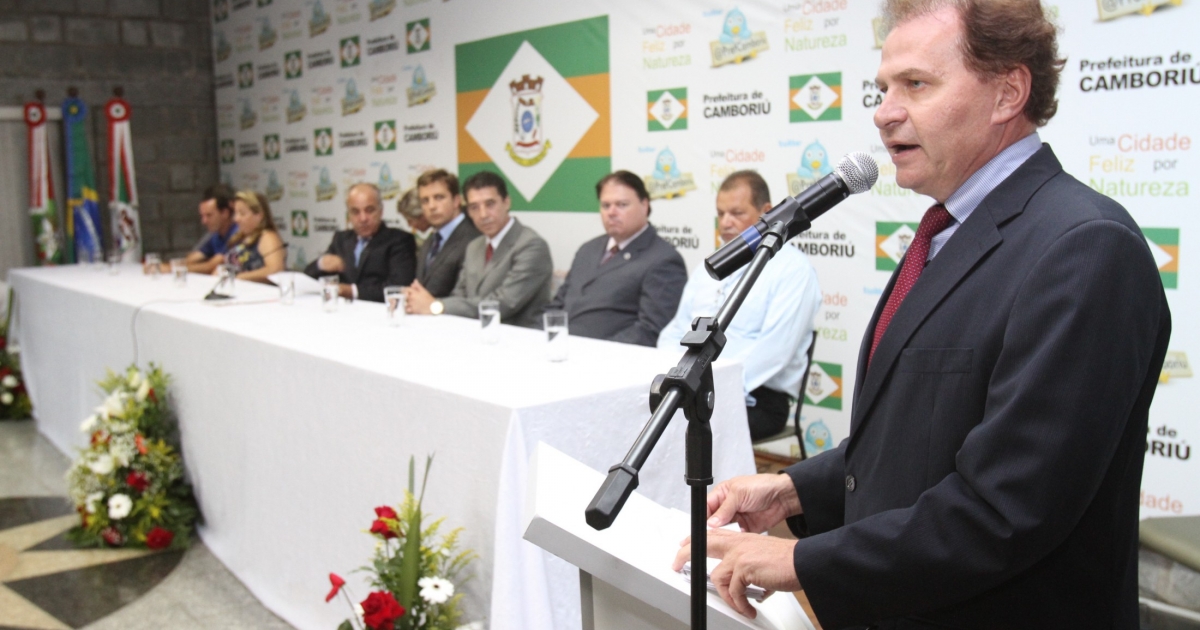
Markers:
point(528, 145)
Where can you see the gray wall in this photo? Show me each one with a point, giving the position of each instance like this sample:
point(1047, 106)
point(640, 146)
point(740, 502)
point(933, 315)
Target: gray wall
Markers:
point(160, 52)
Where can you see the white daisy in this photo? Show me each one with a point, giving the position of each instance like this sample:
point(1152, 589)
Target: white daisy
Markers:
point(102, 465)
point(119, 506)
point(435, 590)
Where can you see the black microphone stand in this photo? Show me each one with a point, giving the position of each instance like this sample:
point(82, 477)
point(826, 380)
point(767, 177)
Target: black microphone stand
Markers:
point(689, 385)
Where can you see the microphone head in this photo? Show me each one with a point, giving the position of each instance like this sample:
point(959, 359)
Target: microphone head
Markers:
point(859, 172)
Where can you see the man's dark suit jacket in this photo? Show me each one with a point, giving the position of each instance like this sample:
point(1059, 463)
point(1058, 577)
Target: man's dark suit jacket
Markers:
point(387, 260)
point(992, 471)
point(441, 274)
point(629, 298)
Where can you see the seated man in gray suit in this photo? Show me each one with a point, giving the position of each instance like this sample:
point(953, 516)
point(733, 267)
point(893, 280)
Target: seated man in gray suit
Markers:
point(508, 263)
point(623, 286)
point(370, 255)
point(441, 255)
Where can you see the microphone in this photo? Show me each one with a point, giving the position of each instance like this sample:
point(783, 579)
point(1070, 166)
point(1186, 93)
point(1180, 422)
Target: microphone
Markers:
point(855, 173)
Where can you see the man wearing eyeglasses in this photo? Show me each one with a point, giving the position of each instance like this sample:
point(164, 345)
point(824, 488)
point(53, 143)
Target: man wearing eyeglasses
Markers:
point(508, 262)
point(625, 285)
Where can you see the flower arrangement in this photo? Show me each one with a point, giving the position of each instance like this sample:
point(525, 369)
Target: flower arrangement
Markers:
point(14, 400)
point(127, 485)
point(413, 571)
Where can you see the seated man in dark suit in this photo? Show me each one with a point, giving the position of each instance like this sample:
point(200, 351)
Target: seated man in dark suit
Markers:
point(370, 255)
point(623, 286)
point(440, 257)
point(508, 263)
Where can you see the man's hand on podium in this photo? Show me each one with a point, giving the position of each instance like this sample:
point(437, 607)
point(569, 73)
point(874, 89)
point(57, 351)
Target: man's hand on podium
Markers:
point(755, 502)
point(746, 559)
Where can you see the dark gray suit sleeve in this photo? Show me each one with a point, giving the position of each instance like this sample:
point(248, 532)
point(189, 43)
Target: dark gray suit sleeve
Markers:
point(819, 483)
point(312, 270)
point(1086, 318)
point(661, 288)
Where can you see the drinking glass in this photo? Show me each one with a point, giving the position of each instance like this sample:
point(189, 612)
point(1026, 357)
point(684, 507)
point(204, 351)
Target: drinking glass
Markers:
point(179, 271)
point(394, 298)
point(555, 325)
point(287, 290)
point(489, 321)
point(153, 265)
point(329, 293)
point(226, 274)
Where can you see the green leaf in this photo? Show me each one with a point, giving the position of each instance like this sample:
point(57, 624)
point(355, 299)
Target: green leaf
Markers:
point(345, 625)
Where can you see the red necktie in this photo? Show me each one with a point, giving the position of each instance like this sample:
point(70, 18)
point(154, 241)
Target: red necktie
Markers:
point(609, 254)
point(487, 257)
point(936, 219)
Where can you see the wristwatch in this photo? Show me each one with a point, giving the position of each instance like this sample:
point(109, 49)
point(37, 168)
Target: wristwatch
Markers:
point(437, 307)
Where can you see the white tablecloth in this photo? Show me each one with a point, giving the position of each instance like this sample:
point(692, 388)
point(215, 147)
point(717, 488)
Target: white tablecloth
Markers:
point(296, 423)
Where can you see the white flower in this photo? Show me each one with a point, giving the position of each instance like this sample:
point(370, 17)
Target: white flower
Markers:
point(119, 506)
point(435, 590)
point(9, 381)
point(89, 423)
point(359, 612)
point(6, 398)
point(143, 391)
point(102, 465)
point(112, 407)
point(135, 378)
point(92, 500)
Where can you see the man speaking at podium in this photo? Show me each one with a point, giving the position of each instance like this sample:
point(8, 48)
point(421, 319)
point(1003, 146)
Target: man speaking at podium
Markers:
point(991, 475)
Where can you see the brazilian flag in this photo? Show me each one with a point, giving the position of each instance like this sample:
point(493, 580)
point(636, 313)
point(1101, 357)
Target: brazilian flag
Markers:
point(83, 241)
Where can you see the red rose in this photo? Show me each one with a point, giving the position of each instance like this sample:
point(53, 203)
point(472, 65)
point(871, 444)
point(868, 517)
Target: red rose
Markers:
point(3, 370)
point(381, 610)
point(159, 538)
point(337, 582)
point(3, 343)
point(137, 481)
point(112, 536)
point(384, 511)
point(381, 528)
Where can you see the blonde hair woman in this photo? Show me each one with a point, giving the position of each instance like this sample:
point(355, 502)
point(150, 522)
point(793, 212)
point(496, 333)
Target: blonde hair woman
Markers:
point(256, 249)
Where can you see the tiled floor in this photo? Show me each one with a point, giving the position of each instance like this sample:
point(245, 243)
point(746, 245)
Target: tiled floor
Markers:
point(46, 584)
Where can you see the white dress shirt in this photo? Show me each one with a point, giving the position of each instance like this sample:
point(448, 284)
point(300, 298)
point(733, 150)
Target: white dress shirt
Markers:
point(772, 329)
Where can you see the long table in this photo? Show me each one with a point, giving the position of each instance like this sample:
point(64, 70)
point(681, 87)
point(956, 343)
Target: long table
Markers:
point(296, 423)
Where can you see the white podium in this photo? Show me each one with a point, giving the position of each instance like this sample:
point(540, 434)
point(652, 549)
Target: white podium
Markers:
point(626, 581)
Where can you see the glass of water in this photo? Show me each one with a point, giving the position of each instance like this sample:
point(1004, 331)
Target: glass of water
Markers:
point(555, 325)
point(153, 265)
point(394, 298)
point(287, 290)
point(179, 271)
point(329, 293)
point(489, 321)
point(225, 274)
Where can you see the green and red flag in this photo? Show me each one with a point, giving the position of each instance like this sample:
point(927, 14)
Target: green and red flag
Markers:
point(42, 210)
point(122, 183)
point(83, 202)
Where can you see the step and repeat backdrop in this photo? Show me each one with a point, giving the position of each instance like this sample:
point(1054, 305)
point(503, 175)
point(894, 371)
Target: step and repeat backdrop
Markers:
point(315, 95)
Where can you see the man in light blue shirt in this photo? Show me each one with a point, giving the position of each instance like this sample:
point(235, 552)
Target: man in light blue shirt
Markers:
point(773, 328)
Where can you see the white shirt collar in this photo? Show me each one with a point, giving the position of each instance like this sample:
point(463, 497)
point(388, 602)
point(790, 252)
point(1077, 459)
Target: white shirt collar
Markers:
point(495, 240)
point(625, 243)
